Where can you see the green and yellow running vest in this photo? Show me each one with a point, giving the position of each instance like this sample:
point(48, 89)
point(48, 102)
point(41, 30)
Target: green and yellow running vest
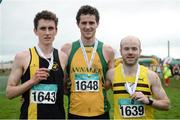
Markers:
point(87, 94)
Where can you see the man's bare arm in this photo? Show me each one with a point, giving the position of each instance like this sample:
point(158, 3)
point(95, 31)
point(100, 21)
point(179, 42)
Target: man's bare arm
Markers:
point(108, 53)
point(15, 89)
point(109, 78)
point(161, 100)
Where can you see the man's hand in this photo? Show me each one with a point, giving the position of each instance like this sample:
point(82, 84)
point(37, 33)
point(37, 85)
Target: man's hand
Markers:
point(139, 96)
point(40, 74)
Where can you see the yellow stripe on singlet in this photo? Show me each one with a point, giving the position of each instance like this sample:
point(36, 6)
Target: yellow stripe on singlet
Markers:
point(34, 65)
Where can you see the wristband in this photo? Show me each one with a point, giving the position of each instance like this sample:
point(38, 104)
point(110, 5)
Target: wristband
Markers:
point(150, 101)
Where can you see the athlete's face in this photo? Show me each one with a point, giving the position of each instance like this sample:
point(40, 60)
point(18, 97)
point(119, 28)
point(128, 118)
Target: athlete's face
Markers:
point(46, 31)
point(87, 26)
point(130, 51)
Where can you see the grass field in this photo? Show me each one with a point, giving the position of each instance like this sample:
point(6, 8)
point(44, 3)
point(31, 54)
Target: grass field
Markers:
point(10, 109)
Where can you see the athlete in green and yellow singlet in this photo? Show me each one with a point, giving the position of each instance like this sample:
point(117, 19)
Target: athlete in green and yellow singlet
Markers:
point(88, 62)
point(88, 96)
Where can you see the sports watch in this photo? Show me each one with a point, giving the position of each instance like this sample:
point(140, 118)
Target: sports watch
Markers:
point(150, 101)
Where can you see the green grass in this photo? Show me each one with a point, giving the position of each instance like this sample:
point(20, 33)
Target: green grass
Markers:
point(3, 82)
point(174, 96)
point(10, 109)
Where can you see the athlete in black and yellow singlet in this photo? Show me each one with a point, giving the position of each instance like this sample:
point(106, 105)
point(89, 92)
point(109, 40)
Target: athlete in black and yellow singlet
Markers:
point(44, 100)
point(88, 95)
point(124, 106)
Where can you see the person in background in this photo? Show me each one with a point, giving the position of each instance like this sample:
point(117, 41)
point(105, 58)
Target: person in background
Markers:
point(176, 71)
point(159, 71)
point(167, 74)
point(37, 74)
point(89, 59)
point(137, 90)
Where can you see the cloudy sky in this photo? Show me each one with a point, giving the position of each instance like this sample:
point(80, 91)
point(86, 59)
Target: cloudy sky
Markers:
point(153, 21)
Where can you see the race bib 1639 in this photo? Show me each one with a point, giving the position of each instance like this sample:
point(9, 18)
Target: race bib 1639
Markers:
point(131, 108)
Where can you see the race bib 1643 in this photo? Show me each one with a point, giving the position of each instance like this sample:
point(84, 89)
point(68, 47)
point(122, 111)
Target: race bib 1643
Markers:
point(44, 93)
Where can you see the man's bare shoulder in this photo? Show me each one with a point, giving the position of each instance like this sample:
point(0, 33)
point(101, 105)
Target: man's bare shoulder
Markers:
point(63, 59)
point(22, 55)
point(66, 48)
point(108, 54)
point(153, 77)
point(152, 73)
point(62, 55)
point(108, 48)
point(21, 60)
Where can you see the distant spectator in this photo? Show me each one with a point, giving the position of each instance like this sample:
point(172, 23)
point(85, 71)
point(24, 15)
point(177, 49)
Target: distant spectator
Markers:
point(159, 71)
point(176, 71)
point(167, 74)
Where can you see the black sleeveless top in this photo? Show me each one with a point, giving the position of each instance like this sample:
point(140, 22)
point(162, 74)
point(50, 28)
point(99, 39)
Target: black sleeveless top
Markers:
point(49, 103)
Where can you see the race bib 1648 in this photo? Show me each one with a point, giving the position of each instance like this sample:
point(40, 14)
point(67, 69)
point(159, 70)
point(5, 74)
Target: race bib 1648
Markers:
point(87, 82)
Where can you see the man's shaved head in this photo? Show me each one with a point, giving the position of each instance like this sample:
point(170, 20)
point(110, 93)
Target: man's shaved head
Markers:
point(130, 38)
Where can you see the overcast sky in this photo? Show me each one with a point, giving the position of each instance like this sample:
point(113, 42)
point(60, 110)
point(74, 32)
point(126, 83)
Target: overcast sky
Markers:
point(153, 21)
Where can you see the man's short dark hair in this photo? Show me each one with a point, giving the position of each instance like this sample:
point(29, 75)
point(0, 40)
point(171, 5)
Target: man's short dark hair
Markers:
point(46, 15)
point(87, 10)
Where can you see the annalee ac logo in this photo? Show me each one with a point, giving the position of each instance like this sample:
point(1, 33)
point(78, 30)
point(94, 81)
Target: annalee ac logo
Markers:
point(85, 70)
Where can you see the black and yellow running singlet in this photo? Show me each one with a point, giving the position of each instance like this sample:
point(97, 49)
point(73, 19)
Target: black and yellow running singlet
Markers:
point(124, 106)
point(44, 100)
